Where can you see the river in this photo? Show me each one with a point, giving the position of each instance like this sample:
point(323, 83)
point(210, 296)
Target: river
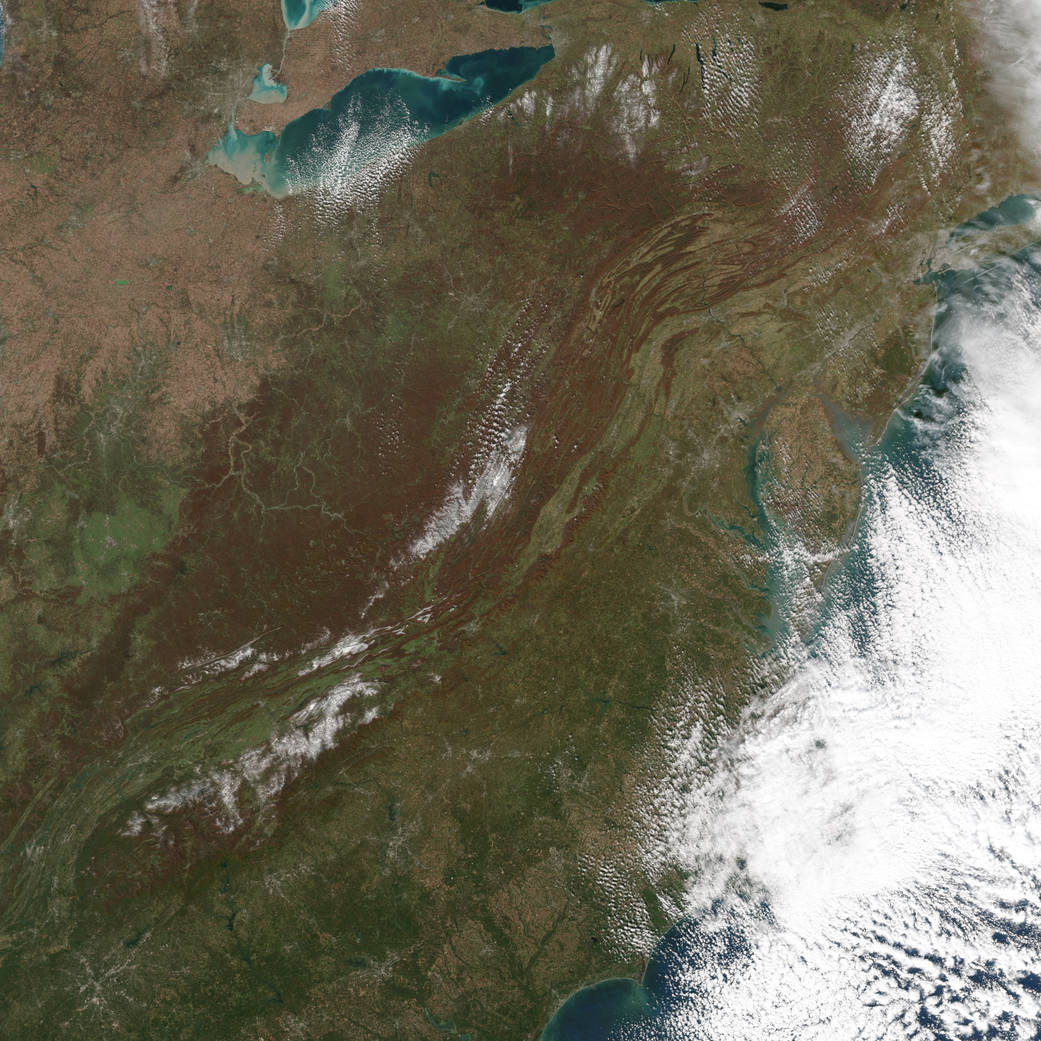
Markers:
point(864, 852)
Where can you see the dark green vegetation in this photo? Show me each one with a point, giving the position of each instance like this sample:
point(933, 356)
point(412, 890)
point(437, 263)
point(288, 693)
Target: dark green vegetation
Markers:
point(665, 268)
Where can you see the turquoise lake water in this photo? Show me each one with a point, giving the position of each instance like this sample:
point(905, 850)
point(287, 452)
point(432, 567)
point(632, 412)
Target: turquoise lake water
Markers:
point(375, 118)
point(265, 90)
point(301, 13)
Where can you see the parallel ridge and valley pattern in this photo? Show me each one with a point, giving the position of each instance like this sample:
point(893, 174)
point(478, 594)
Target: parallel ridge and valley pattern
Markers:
point(363, 548)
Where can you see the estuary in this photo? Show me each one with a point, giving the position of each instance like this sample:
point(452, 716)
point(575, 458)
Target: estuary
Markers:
point(863, 852)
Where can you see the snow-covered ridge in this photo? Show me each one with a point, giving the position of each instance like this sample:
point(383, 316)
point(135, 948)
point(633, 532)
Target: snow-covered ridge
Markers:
point(488, 489)
point(260, 773)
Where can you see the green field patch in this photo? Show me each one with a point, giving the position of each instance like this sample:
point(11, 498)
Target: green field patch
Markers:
point(111, 548)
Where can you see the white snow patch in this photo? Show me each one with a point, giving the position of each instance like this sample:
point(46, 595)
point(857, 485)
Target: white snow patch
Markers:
point(490, 489)
point(593, 70)
point(347, 647)
point(158, 20)
point(209, 667)
point(882, 106)
point(637, 99)
point(265, 770)
point(804, 212)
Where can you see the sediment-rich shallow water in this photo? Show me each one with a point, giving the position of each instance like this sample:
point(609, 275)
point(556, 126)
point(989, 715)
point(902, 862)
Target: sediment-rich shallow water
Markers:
point(266, 90)
point(298, 14)
point(865, 853)
point(373, 121)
